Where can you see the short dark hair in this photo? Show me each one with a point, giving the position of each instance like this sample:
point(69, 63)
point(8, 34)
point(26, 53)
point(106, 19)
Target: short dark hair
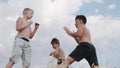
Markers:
point(81, 17)
point(55, 41)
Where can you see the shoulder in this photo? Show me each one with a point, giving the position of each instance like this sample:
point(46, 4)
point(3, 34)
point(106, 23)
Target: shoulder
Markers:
point(60, 49)
point(20, 19)
point(81, 27)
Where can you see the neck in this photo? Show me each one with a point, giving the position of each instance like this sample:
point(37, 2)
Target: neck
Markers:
point(57, 47)
point(25, 17)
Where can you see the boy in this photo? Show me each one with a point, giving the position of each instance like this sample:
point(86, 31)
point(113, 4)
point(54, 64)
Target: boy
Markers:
point(22, 48)
point(58, 53)
point(85, 48)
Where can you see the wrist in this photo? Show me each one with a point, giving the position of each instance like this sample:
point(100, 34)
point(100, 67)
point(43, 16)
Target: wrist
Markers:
point(28, 23)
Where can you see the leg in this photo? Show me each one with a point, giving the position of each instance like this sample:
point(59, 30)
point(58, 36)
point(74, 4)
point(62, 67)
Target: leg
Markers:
point(16, 54)
point(26, 56)
point(92, 58)
point(76, 55)
point(9, 64)
point(67, 62)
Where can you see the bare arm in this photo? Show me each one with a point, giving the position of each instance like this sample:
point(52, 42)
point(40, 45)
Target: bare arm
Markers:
point(20, 25)
point(77, 39)
point(54, 52)
point(34, 31)
point(74, 34)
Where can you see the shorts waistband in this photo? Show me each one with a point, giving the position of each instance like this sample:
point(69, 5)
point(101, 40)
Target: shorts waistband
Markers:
point(25, 39)
point(60, 61)
point(85, 43)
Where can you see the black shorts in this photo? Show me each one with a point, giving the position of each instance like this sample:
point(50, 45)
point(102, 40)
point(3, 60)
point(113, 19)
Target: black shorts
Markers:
point(87, 51)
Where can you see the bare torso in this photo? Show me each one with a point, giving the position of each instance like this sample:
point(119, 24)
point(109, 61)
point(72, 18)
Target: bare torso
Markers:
point(26, 31)
point(60, 54)
point(85, 37)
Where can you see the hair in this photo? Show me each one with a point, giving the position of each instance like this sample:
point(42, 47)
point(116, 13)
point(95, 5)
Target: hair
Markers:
point(55, 41)
point(81, 17)
point(27, 9)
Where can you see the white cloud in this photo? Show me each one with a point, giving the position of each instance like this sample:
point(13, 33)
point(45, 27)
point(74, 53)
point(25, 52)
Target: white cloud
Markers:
point(112, 6)
point(104, 27)
point(98, 1)
point(96, 11)
point(51, 16)
point(105, 35)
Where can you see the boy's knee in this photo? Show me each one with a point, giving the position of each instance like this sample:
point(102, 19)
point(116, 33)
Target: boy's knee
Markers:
point(25, 66)
point(95, 66)
point(9, 64)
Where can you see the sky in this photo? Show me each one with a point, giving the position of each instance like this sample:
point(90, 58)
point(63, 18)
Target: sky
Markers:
point(103, 20)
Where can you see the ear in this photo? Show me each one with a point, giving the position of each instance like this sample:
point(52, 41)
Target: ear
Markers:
point(25, 12)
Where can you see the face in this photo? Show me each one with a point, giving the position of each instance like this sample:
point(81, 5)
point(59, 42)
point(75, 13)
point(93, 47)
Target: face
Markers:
point(29, 14)
point(55, 46)
point(77, 22)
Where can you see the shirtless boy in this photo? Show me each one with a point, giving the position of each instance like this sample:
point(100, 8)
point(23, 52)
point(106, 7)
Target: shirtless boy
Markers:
point(58, 53)
point(85, 48)
point(22, 48)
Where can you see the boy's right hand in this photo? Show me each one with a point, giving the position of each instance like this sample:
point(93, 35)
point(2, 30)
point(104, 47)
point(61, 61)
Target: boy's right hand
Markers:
point(50, 54)
point(36, 25)
point(67, 30)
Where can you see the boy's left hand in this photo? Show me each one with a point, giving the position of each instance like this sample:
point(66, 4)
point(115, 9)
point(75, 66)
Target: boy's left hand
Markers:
point(50, 54)
point(36, 25)
point(67, 30)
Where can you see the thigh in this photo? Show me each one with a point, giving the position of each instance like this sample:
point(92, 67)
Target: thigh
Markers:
point(80, 52)
point(17, 51)
point(92, 58)
point(26, 55)
point(69, 60)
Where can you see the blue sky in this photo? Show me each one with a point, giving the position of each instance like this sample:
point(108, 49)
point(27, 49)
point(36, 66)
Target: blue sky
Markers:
point(3, 1)
point(101, 8)
point(103, 22)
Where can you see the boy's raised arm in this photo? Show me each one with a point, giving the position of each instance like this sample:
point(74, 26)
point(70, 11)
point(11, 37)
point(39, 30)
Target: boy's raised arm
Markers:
point(74, 34)
point(34, 31)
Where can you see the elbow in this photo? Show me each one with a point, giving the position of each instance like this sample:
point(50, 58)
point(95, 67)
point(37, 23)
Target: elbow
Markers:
point(30, 37)
point(19, 29)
